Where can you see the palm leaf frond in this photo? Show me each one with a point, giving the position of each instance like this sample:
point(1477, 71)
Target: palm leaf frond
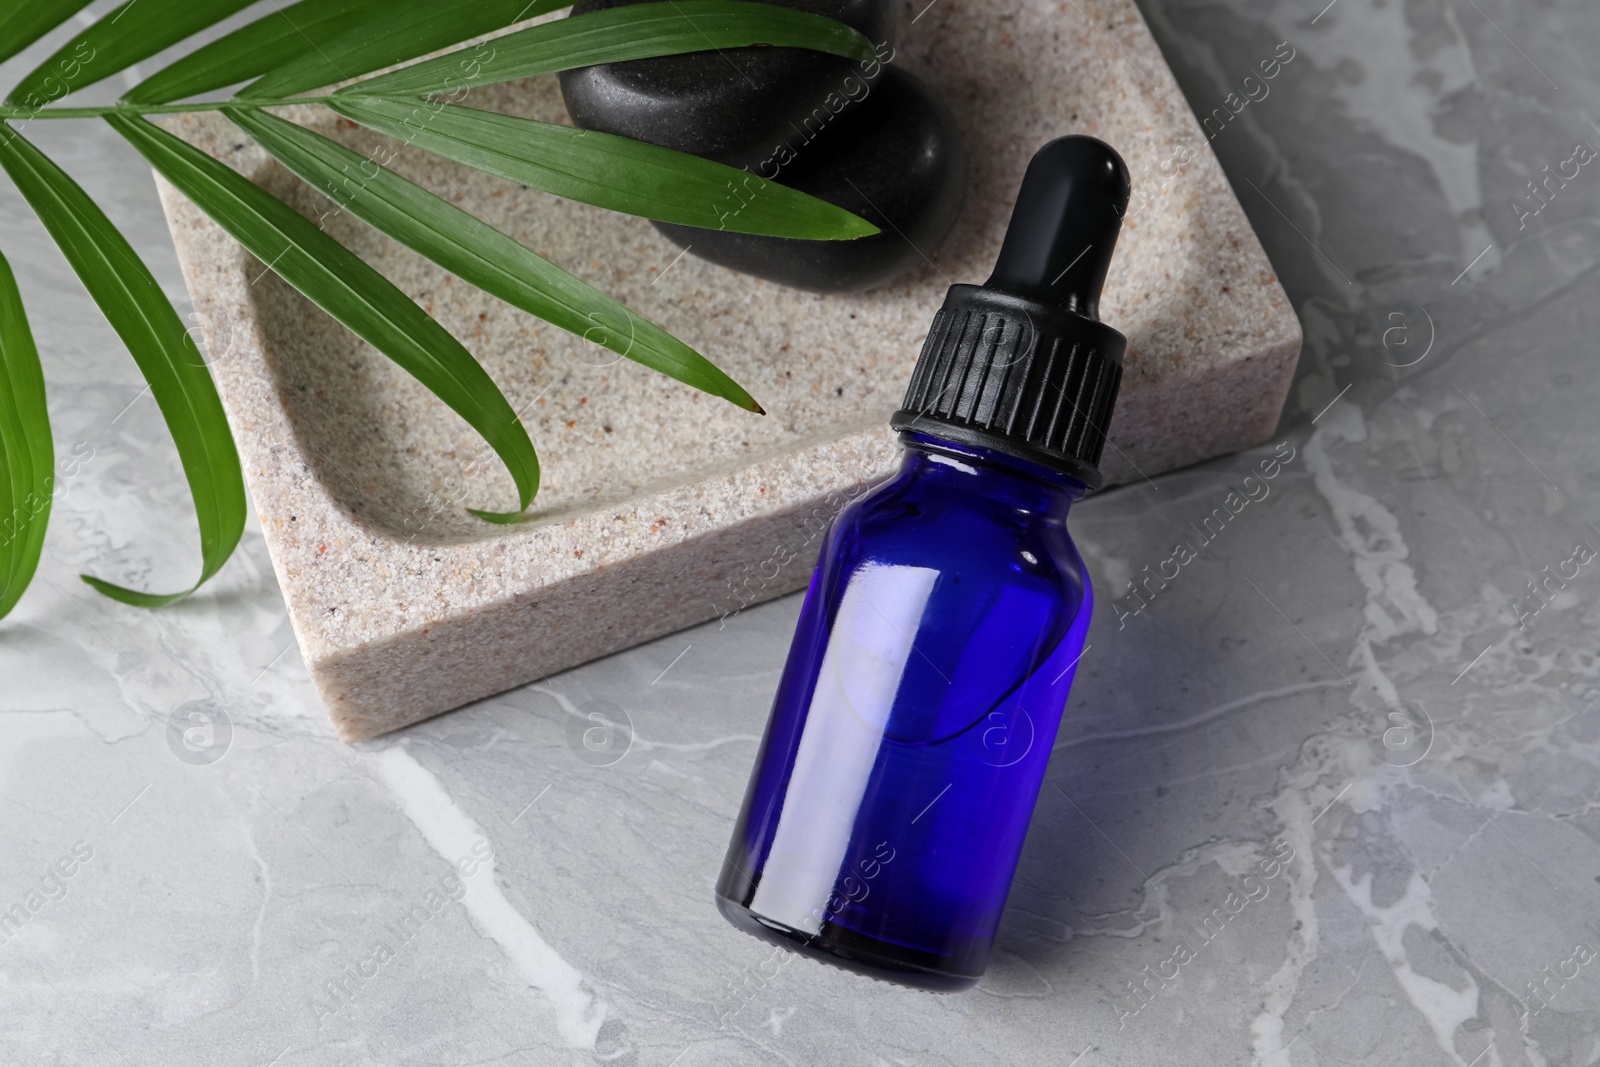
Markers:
point(254, 48)
point(618, 34)
point(404, 30)
point(480, 254)
point(312, 44)
point(346, 287)
point(136, 30)
point(605, 170)
point(27, 455)
point(25, 23)
point(132, 301)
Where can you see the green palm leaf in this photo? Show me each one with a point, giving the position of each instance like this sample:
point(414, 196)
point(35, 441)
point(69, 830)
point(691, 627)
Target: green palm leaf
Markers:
point(27, 456)
point(618, 34)
point(480, 254)
point(29, 20)
point(315, 43)
point(255, 48)
point(167, 357)
point(346, 287)
point(404, 30)
point(136, 30)
point(607, 171)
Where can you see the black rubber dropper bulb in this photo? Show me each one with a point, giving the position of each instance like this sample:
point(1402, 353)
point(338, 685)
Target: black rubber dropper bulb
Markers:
point(1022, 364)
point(1065, 225)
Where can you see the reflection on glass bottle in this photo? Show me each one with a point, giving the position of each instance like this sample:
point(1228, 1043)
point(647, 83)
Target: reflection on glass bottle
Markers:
point(936, 648)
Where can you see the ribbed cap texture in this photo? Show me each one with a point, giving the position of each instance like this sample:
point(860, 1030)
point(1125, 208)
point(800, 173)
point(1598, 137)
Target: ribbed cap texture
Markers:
point(1022, 376)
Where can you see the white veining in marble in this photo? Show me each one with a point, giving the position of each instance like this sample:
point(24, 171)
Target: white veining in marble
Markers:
point(457, 839)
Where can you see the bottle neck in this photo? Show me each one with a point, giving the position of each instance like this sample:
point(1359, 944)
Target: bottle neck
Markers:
point(1032, 486)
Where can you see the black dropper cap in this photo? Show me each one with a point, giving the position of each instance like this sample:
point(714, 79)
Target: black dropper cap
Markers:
point(1020, 364)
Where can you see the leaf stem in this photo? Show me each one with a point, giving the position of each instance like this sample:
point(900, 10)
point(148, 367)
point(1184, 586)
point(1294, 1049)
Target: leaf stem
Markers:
point(28, 113)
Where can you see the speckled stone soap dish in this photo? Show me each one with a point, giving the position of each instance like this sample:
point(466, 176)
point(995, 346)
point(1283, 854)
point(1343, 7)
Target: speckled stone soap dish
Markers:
point(662, 507)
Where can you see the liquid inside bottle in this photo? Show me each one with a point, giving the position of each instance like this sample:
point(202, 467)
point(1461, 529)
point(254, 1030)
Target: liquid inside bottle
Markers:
point(938, 640)
point(915, 718)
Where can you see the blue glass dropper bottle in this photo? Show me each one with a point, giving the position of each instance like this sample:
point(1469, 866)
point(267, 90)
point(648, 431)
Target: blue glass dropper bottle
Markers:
point(931, 664)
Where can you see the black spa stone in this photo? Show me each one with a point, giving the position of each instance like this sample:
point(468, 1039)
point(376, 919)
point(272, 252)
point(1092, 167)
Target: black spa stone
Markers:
point(895, 159)
point(725, 105)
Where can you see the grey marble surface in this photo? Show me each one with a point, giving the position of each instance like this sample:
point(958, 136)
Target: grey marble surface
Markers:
point(1320, 801)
